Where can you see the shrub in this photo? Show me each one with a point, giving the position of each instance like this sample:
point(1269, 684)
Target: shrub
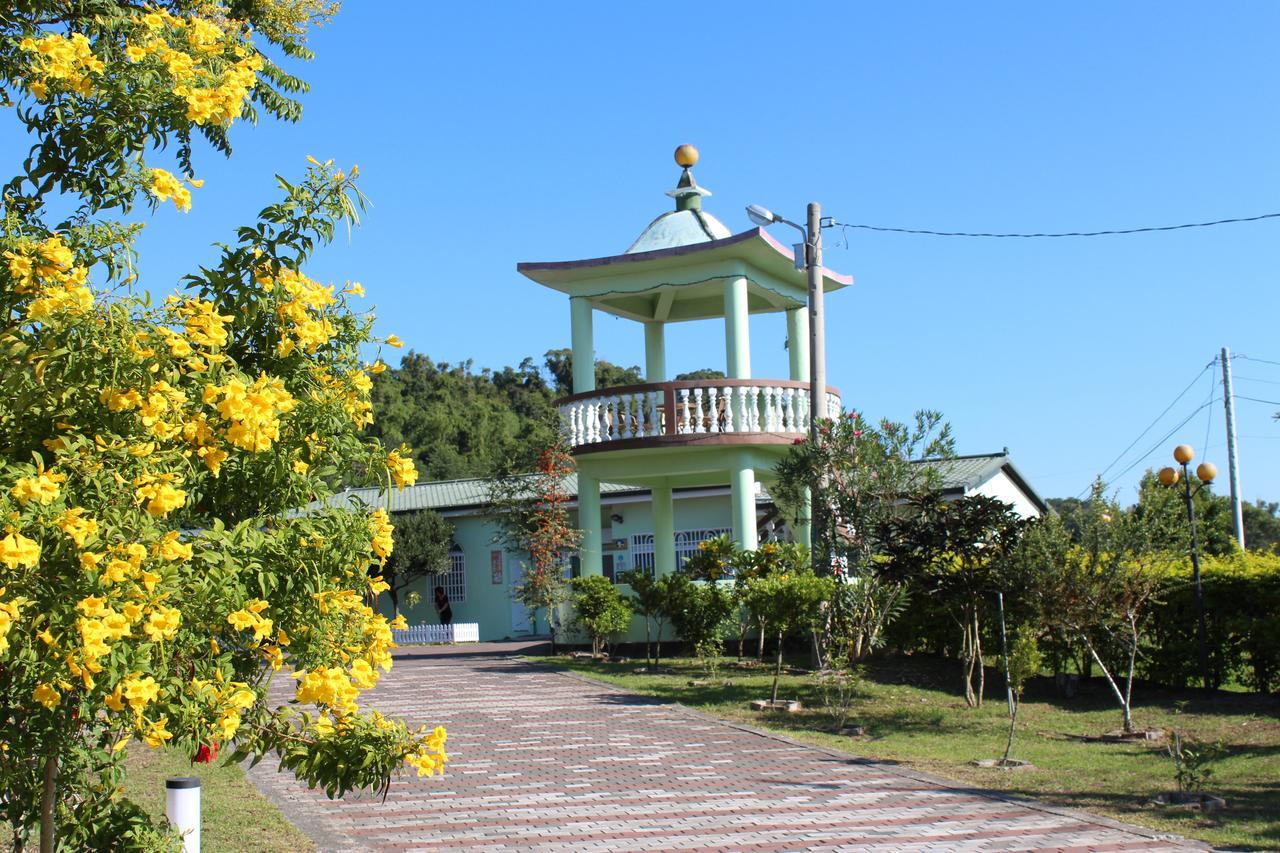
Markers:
point(599, 609)
point(1242, 618)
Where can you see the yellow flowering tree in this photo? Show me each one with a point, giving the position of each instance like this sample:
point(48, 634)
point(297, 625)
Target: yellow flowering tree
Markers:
point(156, 573)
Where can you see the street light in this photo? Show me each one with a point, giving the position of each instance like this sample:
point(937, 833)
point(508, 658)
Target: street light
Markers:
point(1169, 477)
point(812, 264)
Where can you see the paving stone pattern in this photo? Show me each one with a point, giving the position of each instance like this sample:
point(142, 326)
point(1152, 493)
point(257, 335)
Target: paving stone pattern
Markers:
point(545, 761)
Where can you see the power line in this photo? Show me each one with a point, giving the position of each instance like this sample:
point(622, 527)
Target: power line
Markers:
point(1235, 376)
point(1145, 230)
point(1156, 421)
point(1256, 400)
point(1259, 360)
point(1213, 398)
point(1166, 437)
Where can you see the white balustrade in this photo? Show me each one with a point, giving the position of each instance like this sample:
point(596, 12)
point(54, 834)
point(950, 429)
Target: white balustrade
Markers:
point(621, 414)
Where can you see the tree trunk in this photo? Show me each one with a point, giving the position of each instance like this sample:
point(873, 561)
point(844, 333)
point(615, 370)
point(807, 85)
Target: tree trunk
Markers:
point(977, 653)
point(1128, 681)
point(967, 658)
point(777, 670)
point(48, 801)
point(657, 646)
point(1013, 721)
point(394, 594)
point(646, 642)
point(1121, 697)
point(760, 650)
point(742, 635)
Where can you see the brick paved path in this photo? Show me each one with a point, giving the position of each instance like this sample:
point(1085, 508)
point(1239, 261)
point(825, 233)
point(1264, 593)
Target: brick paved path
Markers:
point(546, 761)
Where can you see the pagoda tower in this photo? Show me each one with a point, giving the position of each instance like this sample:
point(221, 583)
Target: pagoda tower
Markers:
point(664, 434)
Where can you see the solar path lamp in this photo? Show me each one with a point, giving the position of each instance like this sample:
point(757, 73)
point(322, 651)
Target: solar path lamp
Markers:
point(1169, 477)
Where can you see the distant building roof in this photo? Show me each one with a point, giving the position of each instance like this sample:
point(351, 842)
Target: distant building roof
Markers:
point(962, 473)
point(959, 475)
point(449, 494)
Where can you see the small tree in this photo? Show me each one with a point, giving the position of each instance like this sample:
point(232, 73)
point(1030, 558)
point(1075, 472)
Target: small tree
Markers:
point(649, 601)
point(422, 543)
point(700, 611)
point(599, 610)
point(959, 552)
point(155, 448)
point(1022, 663)
point(1100, 589)
point(769, 559)
point(860, 475)
point(786, 601)
point(532, 515)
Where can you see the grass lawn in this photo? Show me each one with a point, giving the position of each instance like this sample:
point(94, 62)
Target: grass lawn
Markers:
point(914, 714)
point(235, 817)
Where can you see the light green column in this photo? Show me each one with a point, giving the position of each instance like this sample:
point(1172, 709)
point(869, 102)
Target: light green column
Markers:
point(742, 483)
point(798, 343)
point(798, 355)
point(804, 530)
point(655, 352)
point(584, 354)
point(664, 531)
point(589, 549)
point(736, 333)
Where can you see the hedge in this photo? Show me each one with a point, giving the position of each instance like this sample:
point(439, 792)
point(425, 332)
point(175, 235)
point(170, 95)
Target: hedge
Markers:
point(1242, 615)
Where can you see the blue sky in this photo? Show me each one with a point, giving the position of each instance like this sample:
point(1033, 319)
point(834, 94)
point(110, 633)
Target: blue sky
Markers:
point(490, 134)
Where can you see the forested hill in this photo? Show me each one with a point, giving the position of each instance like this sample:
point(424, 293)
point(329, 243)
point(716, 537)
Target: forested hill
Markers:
point(464, 422)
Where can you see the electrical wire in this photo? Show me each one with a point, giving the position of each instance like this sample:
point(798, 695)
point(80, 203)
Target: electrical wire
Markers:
point(1159, 417)
point(1166, 437)
point(1256, 400)
point(1146, 230)
point(1235, 376)
point(1213, 398)
point(1259, 360)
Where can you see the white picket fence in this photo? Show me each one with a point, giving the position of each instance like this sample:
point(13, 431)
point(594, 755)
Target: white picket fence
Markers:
point(459, 632)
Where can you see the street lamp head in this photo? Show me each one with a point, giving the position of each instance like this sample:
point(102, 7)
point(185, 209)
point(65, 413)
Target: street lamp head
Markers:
point(1183, 453)
point(761, 215)
point(1206, 472)
point(686, 156)
point(1168, 476)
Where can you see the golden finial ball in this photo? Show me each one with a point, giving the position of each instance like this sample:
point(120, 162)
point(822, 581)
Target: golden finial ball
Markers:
point(1183, 453)
point(1168, 476)
point(1206, 472)
point(686, 156)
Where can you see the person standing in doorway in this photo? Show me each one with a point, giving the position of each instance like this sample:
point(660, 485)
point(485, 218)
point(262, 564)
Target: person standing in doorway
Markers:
point(442, 607)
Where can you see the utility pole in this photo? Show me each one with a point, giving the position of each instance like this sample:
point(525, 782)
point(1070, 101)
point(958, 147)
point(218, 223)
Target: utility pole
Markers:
point(1233, 464)
point(817, 375)
point(817, 336)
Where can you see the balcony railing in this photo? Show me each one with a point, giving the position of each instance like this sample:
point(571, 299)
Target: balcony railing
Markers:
point(702, 407)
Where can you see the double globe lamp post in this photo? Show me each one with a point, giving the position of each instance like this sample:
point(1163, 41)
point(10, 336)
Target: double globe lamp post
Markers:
point(1169, 477)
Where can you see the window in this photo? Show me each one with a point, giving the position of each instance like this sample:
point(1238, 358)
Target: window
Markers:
point(687, 542)
point(455, 580)
point(642, 551)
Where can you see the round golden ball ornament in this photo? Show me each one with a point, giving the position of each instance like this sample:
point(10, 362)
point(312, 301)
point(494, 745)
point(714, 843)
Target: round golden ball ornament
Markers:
point(1168, 476)
point(1206, 472)
point(1183, 453)
point(686, 156)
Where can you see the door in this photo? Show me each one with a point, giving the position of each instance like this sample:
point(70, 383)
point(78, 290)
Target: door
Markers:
point(520, 621)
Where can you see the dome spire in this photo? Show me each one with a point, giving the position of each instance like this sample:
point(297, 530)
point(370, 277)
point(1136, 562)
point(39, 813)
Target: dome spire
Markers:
point(687, 193)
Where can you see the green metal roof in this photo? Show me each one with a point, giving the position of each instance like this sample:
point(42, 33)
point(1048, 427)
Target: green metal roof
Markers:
point(448, 494)
point(958, 473)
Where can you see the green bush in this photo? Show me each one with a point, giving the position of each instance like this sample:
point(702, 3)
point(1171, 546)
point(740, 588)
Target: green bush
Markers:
point(1242, 621)
point(599, 609)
